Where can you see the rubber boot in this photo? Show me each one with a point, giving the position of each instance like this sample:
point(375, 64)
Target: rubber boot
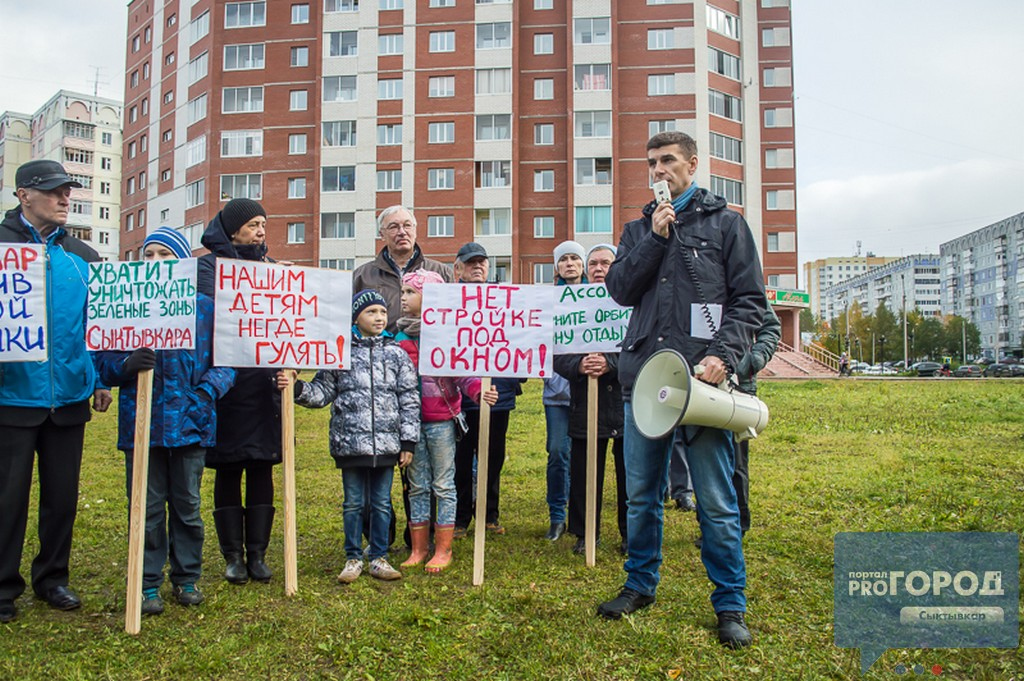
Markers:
point(258, 521)
point(442, 548)
point(419, 535)
point(229, 522)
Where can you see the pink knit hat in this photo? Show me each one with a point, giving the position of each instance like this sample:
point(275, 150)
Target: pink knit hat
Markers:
point(420, 277)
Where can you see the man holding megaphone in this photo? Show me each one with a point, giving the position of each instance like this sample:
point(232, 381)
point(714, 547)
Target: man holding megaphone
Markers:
point(689, 267)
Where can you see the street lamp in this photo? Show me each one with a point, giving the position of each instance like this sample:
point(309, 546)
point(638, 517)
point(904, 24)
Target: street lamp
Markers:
point(881, 349)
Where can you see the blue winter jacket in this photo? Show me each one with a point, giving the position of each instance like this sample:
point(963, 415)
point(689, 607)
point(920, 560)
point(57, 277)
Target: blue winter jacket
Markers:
point(185, 390)
point(68, 376)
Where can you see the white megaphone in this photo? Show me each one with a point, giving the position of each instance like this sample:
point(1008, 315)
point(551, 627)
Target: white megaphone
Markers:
point(665, 395)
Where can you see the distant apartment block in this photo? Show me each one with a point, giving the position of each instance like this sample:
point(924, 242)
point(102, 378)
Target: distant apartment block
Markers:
point(826, 272)
point(912, 282)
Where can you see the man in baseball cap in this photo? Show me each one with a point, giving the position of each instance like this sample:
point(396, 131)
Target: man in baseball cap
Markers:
point(43, 175)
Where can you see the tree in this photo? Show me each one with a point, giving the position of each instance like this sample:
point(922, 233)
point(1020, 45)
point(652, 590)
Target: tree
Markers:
point(886, 326)
point(930, 339)
point(953, 340)
point(808, 322)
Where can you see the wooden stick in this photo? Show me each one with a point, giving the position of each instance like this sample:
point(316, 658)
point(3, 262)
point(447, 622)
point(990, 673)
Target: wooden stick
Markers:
point(137, 510)
point(291, 578)
point(591, 524)
point(481, 485)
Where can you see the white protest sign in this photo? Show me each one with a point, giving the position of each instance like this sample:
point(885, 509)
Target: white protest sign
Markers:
point(142, 304)
point(22, 303)
point(487, 330)
point(272, 315)
point(588, 320)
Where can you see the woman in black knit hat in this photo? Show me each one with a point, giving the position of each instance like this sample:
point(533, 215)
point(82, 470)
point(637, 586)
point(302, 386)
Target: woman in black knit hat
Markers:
point(248, 416)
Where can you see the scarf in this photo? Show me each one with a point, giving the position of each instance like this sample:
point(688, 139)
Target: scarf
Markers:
point(680, 202)
point(410, 326)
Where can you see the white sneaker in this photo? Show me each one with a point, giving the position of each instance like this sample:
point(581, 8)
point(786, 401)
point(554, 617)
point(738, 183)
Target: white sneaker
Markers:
point(381, 569)
point(353, 568)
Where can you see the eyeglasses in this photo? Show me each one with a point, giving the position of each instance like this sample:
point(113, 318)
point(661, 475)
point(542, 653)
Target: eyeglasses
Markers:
point(394, 227)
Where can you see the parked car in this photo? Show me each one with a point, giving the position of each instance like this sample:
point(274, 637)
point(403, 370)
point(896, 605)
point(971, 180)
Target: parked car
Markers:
point(968, 371)
point(1004, 369)
point(927, 368)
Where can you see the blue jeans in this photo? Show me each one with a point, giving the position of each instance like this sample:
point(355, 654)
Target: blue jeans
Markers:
point(559, 444)
point(173, 522)
point(367, 487)
point(433, 469)
point(711, 458)
point(679, 484)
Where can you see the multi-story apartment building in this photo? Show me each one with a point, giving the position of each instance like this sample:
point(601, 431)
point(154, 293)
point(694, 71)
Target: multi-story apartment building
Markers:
point(983, 281)
point(515, 124)
point(83, 132)
point(908, 283)
point(826, 272)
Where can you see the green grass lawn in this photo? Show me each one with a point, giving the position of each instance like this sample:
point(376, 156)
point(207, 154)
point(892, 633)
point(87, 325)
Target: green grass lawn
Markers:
point(850, 455)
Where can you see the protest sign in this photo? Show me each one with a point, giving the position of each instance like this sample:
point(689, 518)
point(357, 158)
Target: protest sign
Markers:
point(272, 315)
point(142, 304)
point(487, 330)
point(588, 320)
point(22, 303)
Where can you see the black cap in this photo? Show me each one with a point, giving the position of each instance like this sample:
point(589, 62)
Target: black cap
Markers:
point(43, 175)
point(470, 251)
point(237, 212)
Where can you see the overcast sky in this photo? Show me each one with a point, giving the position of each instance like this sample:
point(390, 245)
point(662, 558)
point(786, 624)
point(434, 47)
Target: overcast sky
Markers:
point(909, 113)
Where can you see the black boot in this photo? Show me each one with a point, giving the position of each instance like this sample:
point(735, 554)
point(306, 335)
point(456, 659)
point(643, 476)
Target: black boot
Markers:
point(258, 521)
point(229, 522)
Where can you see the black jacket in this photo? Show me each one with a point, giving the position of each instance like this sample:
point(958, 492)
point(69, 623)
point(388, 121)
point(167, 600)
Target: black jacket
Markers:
point(609, 398)
point(652, 274)
point(249, 415)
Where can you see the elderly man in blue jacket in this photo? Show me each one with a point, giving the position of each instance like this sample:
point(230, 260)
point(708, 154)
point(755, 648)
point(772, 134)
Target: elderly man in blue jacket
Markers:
point(44, 405)
point(690, 269)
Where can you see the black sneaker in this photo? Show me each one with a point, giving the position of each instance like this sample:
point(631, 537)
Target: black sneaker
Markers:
point(188, 594)
point(732, 630)
point(152, 604)
point(628, 601)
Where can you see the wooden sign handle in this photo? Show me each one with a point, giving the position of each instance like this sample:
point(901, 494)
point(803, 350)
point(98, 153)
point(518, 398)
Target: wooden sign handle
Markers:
point(481, 485)
point(590, 532)
point(137, 509)
point(291, 578)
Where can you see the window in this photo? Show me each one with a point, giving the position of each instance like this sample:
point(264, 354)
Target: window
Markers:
point(297, 230)
point(592, 31)
point(242, 99)
point(172, 20)
point(337, 225)
point(389, 180)
point(195, 151)
point(494, 127)
point(106, 163)
point(338, 263)
point(726, 148)
point(81, 207)
point(544, 134)
point(242, 57)
point(661, 39)
point(130, 188)
point(441, 225)
point(198, 27)
point(167, 135)
point(543, 4)
point(343, 44)
point(441, 86)
point(778, 158)
point(300, 56)
point(493, 81)
point(133, 114)
point(593, 76)
point(782, 199)
point(593, 171)
point(724, 105)
point(778, 77)
point(105, 188)
point(79, 130)
point(441, 3)
point(168, 96)
point(441, 133)
point(441, 178)
point(338, 179)
point(142, 212)
point(133, 80)
point(543, 272)
point(774, 3)
point(778, 118)
point(169, 59)
point(442, 41)
point(132, 150)
point(297, 143)
point(544, 43)
point(78, 156)
point(165, 175)
point(198, 67)
point(136, 44)
point(661, 84)
point(341, 5)
point(390, 43)
point(243, 14)
point(493, 36)
point(724, 63)
point(296, 187)
point(298, 100)
point(594, 124)
point(241, 143)
point(339, 133)
point(106, 138)
point(593, 219)
point(389, 135)
point(392, 4)
point(245, 186)
point(722, 22)
point(300, 15)
point(196, 112)
point(654, 127)
point(543, 88)
point(104, 212)
point(129, 223)
point(493, 174)
point(148, 35)
point(84, 180)
point(145, 106)
point(543, 180)
point(774, 37)
point(493, 222)
point(544, 227)
point(730, 190)
point(389, 88)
